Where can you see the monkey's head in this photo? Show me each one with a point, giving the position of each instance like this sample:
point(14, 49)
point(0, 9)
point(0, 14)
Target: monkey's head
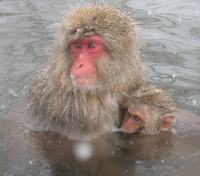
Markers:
point(149, 109)
point(115, 36)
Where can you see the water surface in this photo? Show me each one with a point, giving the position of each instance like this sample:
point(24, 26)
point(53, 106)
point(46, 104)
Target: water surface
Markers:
point(171, 39)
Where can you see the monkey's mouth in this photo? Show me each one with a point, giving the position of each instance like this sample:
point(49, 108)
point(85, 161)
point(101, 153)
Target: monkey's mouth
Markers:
point(84, 81)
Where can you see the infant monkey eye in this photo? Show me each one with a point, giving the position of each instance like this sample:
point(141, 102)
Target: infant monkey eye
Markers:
point(136, 118)
point(91, 45)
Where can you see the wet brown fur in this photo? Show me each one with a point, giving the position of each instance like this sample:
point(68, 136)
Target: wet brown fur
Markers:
point(87, 112)
point(158, 102)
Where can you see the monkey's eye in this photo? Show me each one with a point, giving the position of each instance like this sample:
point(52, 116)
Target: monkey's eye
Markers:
point(91, 45)
point(76, 45)
point(136, 118)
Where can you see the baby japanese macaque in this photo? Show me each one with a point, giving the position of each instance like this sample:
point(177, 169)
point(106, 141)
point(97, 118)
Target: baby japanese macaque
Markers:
point(149, 109)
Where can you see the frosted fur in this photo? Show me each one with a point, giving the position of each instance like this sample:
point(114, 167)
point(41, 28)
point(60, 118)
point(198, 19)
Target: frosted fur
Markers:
point(86, 112)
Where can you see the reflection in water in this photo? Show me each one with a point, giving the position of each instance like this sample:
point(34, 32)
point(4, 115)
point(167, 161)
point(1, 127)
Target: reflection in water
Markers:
point(172, 38)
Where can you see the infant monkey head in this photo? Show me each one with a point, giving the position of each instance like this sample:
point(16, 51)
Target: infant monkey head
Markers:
point(148, 110)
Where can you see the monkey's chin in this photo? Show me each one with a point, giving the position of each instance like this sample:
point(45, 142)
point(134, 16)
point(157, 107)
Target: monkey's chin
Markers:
point(84, 81)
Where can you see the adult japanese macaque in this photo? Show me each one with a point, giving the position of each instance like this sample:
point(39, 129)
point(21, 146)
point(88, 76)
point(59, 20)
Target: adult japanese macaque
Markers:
point(149, 109)
point(96, 64)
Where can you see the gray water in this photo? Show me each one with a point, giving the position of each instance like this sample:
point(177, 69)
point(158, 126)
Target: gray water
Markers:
point(171, 39)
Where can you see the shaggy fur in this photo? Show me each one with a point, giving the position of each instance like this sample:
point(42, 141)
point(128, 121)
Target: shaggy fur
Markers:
point(85, 112)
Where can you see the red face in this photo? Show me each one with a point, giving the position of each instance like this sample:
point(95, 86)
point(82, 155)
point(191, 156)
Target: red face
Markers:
point(86, 53)
point(133, 120)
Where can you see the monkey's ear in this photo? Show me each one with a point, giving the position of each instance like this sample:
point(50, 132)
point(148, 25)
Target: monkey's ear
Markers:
point(167, 121)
